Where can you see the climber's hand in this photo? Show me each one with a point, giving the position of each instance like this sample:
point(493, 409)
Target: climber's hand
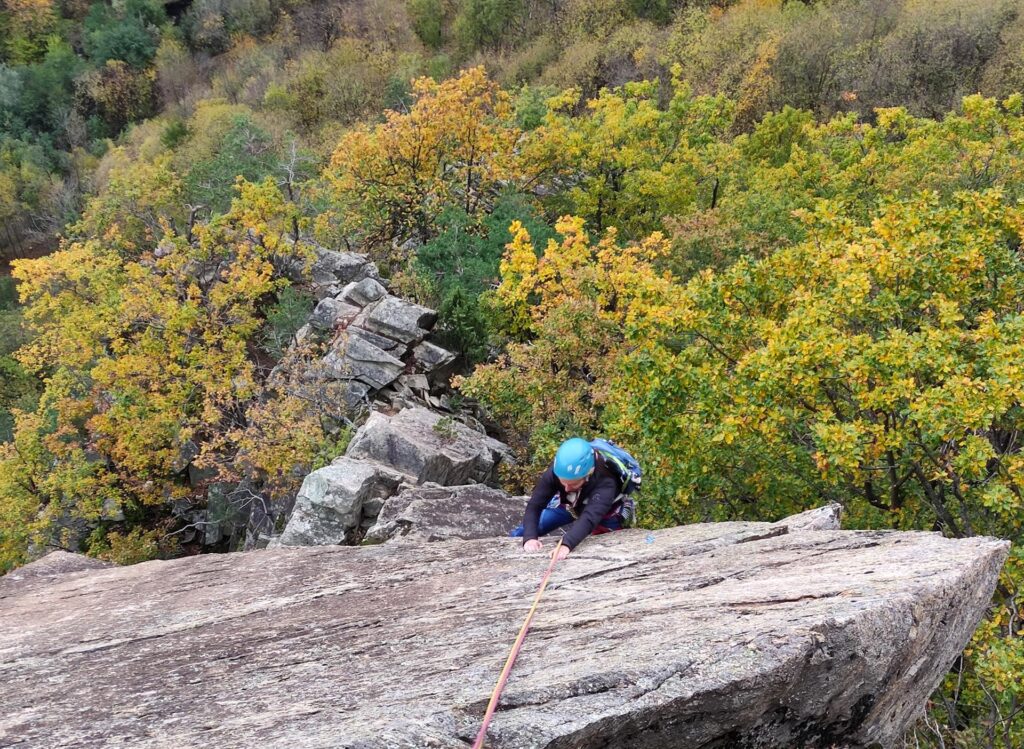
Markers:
point(532, 545)
point(561, 553)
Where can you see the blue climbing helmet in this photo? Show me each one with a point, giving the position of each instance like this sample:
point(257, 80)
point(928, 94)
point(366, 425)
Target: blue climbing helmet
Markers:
point(574, 459)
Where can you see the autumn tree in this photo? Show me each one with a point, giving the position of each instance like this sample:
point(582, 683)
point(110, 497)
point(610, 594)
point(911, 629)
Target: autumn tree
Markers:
point(875, 364)
point(119, 94)
point(858, 340)
point(29, 23)
point(148, 367)
point(626, 161)
point(569, 307)
point(454, 146)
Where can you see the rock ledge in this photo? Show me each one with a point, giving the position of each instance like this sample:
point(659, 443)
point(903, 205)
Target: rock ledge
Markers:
point(723, 635)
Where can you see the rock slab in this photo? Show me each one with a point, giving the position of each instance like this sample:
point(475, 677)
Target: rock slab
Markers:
point(724, 635)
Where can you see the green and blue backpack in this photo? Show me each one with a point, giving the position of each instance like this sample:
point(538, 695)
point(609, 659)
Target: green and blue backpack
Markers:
point(629, 472)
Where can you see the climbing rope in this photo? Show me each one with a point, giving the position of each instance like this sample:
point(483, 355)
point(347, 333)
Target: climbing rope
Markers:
point(496, 694)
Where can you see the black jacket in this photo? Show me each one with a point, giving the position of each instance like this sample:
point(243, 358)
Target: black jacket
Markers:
point(594, 501)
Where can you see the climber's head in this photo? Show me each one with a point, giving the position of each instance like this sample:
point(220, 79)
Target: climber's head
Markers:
point(574, 461)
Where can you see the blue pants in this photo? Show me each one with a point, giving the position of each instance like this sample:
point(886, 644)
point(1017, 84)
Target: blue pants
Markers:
point(552, 518)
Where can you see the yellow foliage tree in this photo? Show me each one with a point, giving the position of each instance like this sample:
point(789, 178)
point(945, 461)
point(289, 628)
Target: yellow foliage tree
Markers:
point(454, 145)
point(147, 367)
point(628, 161)
point(571, 309)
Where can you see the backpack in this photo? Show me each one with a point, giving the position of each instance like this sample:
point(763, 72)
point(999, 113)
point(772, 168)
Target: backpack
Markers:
point(626, 467)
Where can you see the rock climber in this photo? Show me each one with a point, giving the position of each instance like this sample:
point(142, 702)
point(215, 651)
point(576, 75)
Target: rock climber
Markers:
point(579, 490)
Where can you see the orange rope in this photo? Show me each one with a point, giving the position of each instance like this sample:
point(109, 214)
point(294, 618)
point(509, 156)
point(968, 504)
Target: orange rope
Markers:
point(496, 694)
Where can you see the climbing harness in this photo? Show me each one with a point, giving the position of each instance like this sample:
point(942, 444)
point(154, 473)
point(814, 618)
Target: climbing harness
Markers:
point(496, 695)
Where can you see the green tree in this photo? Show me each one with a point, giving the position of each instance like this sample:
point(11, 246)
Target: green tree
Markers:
point(17, 387)
point(26, 25)
point(227, 142)
point(460, 266)
point(483, 22)
point(428, 21)
point(48, 86)
point(129, 32)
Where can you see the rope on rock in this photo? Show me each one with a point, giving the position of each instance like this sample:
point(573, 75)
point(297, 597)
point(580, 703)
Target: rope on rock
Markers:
point(496, 694)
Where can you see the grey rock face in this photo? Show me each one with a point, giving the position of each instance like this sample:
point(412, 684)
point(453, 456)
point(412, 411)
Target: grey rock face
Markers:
point(430, 357)
point(223, 518)
point(395, 348)
point(291, 266)
point(434, 513)
point(720, 635)
point(417, 442)
point(46, 570)
point(434, 361)
point(398, 319)
point(413, 384)
point(186, 454)
point(329, 507)
point(355, 358)
point(356, 396)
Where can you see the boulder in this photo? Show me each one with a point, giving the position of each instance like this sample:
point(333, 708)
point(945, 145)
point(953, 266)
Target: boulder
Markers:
point(355, 358)
point(356, 396)
point(415, 384)
point(434, 361)
point(66, 531)
point(429, 447)
point(330, 312)
point(187, 452)
point(329, 507)
point(290, 264)
point(200, 475)
point(361, 293)
point(398, 319)
point(435, 513)
point(333, 270)
point(704, 637)
point(303, 333)
point(225, 518)
point(112, 511)
point(819, 519)
point(393, 347)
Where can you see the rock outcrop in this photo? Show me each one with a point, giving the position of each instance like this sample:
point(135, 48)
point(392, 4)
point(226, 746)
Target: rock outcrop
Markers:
point(376, 355)
point(46, 569)
point(333, 271)
point(416, 446)
point(379, 357)
point(819, 519)
point(375, 338)
point(722, 635)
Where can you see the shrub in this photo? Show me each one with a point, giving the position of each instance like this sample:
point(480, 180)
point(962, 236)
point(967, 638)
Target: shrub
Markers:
point(284, 318)
point(130, 34)
point(428, 21)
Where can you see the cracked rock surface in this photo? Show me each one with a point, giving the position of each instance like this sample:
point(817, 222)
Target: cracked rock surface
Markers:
point(719, 635)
